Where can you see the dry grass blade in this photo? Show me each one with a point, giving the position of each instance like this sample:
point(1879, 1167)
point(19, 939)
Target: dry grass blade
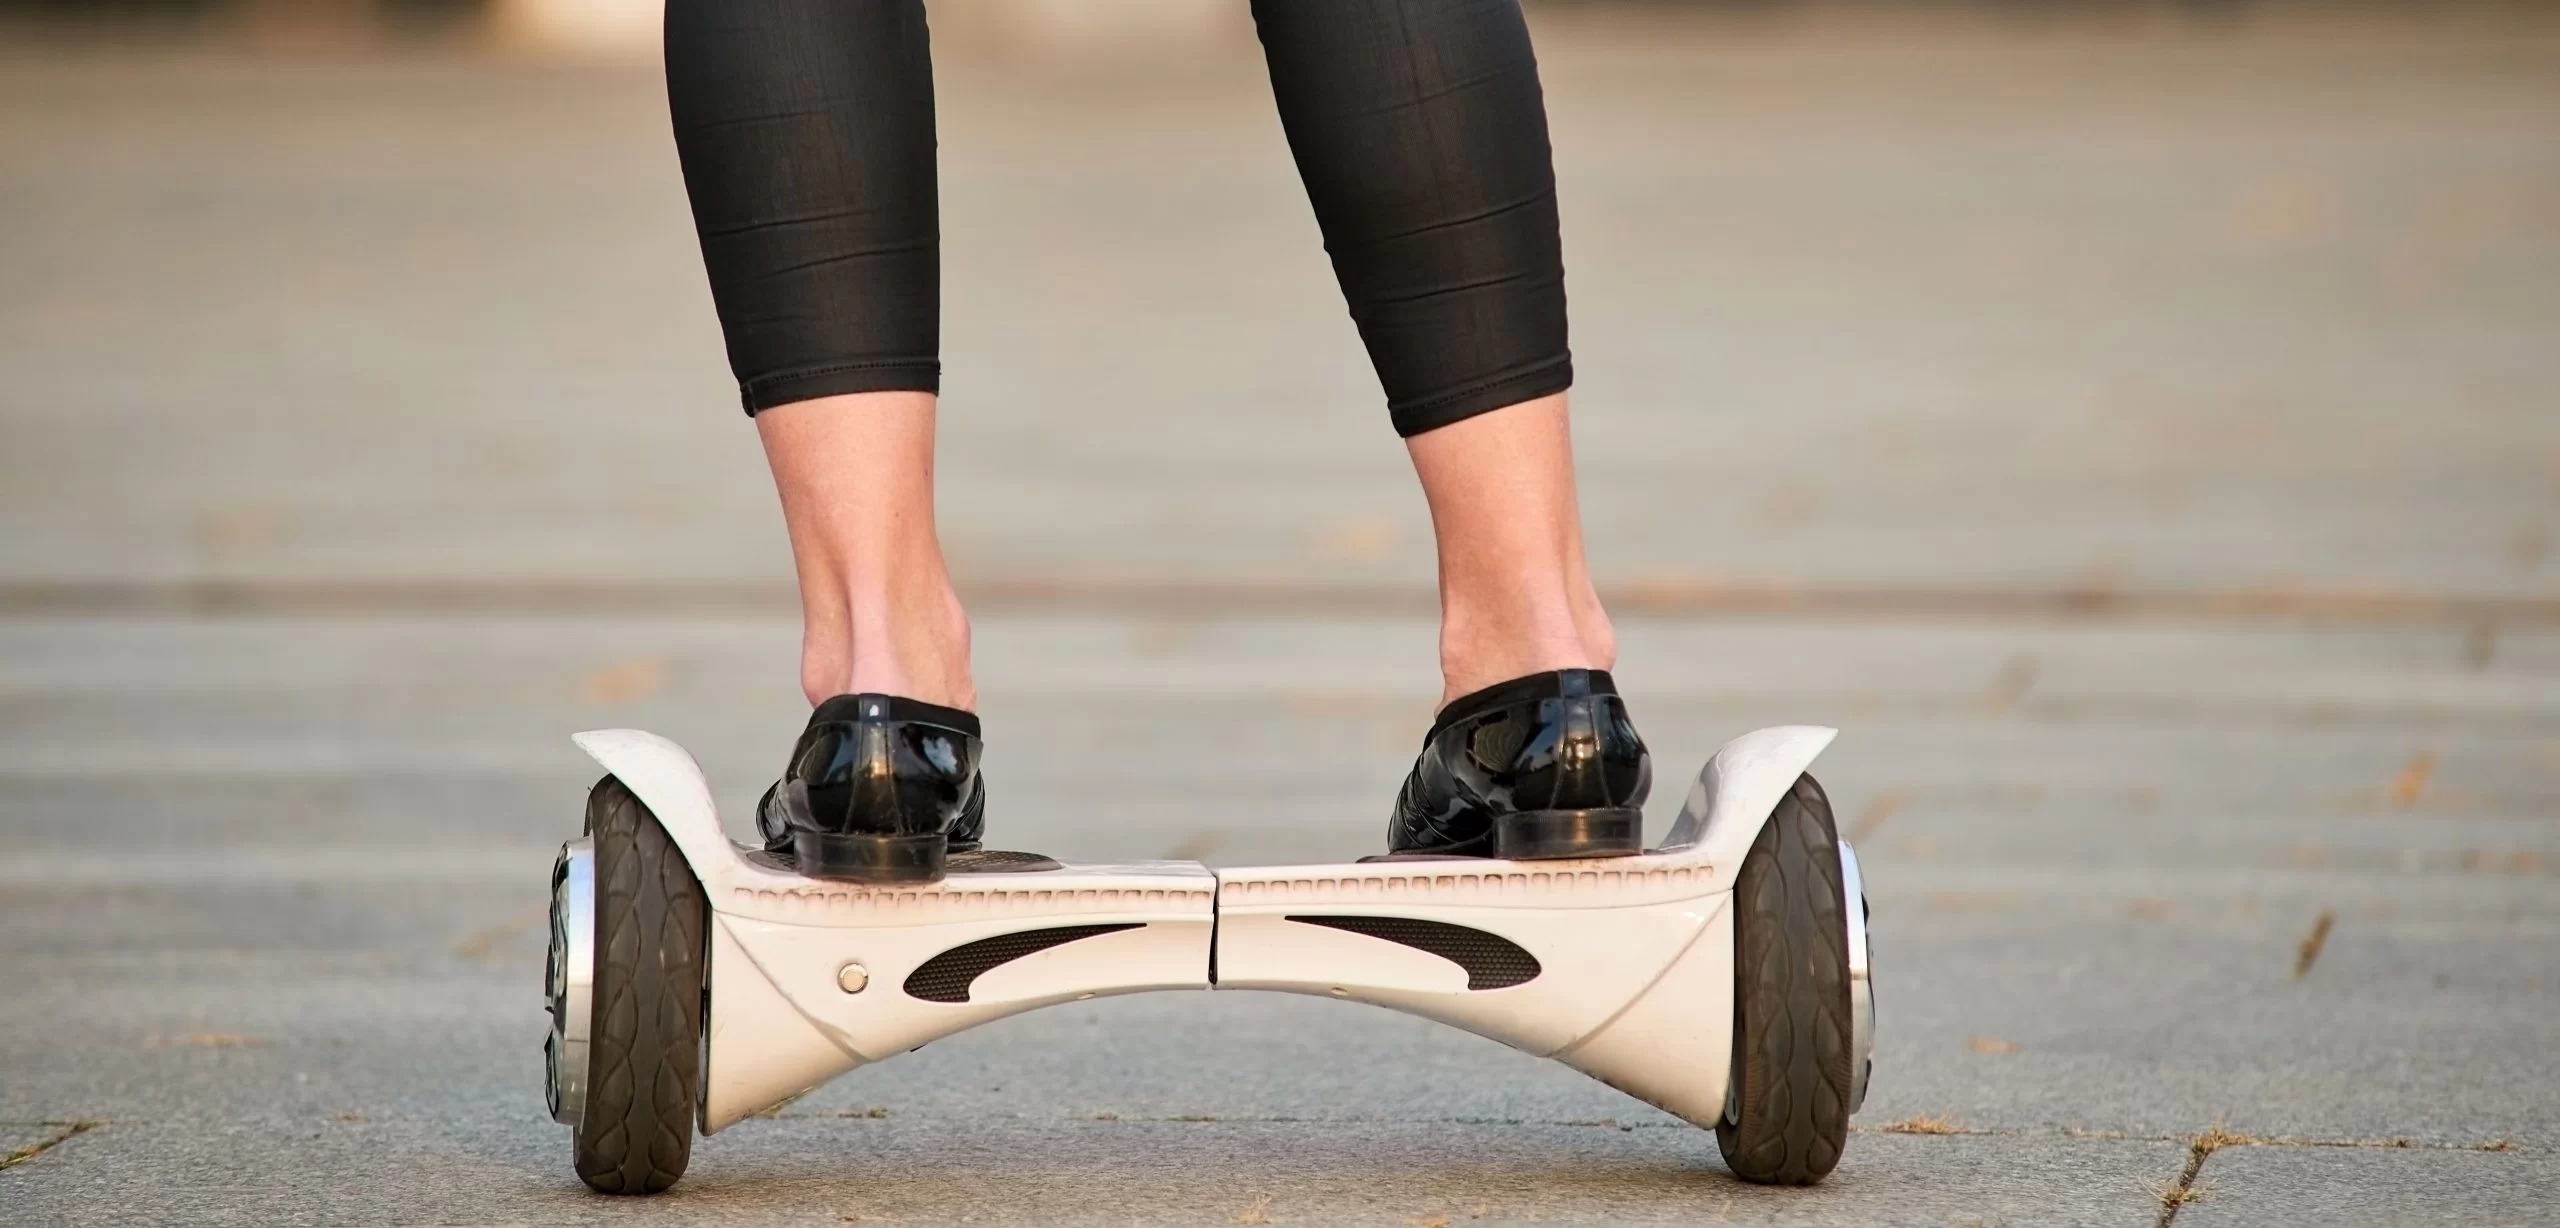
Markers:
point(2312, 942)
point(2173, 1196)
point(2411, 784)
point(2186, 1188)
point(65, 1132)
point(2215, 1138)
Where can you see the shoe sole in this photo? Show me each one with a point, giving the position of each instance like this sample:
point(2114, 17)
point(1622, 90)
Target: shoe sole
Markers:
point(871, 859)
point(1548, 835)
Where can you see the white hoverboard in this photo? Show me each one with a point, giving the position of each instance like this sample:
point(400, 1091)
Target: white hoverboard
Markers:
point(1722, 977)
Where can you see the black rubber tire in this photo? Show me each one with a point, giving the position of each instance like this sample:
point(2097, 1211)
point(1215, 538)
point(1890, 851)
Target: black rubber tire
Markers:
point(644, 1073)
point(1787, 1117)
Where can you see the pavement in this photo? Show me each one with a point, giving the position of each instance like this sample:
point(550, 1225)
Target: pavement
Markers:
point(2137, 434)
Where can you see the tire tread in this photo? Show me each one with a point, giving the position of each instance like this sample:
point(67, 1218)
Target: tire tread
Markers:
point(645, 1051)
point(1791, 1035)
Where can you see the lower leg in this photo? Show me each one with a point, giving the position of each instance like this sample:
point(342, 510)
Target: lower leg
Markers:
point(856, 477)
point(1531, 756)
point(1515, 590)
point(1420, 131)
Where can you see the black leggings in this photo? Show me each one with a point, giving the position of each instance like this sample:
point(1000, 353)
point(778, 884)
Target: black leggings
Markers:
point(806, 132)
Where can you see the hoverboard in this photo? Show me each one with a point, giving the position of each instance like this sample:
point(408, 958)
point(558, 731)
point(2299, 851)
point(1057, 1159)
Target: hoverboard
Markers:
point(1723, 977)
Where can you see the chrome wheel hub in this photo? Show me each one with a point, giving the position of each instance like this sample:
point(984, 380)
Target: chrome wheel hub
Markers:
point(1862, 992)
point(569, 979)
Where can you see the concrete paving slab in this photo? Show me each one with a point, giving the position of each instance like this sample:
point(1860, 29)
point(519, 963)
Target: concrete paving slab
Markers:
point(2284, 1185)
point(340, 814)
point(2186, 726)
point(2123, 1029)
point(528, 378)
point(2157, 1028)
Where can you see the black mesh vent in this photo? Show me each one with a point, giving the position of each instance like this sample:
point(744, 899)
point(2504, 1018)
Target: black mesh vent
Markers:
point(1491, 961)
point(946, 977)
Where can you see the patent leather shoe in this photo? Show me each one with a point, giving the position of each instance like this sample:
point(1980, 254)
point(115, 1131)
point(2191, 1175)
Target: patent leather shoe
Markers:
point(1546, 766)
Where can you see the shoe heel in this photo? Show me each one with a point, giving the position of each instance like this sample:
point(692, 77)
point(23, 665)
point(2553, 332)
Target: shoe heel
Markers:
point(1541, 835)
point(871, 859)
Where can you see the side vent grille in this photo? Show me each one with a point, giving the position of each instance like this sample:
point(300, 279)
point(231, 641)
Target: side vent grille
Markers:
point(1491, 961)
point(947, 977)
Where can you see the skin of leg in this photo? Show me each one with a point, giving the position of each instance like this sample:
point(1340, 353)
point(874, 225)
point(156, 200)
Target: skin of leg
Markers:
point(1515, 589)
point(878, 613)
point(1419, 131)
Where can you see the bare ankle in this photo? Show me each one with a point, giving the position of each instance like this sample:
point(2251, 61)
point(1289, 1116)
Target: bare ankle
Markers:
point(1476, 653)
point(1599, 636)
point(918, 653)
point(913, 643)
point(855, 474)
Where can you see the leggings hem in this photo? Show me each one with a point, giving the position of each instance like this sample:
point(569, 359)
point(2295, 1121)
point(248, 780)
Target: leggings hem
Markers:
point(840, 379)
point(1430, 413)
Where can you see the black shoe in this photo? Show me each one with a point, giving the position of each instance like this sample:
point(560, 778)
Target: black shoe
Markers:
point(880, 789)
point(1537, 767)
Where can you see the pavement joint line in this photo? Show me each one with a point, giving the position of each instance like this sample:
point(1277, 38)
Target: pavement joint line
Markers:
point(1175, 596)
point(2226, 1138)
point(64, 1131)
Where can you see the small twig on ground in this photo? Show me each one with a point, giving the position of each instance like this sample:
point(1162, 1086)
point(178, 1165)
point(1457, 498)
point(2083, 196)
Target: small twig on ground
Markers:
point(2412, 781)
point(2312, 942)
point(65, 1131)
point(1257, 1213)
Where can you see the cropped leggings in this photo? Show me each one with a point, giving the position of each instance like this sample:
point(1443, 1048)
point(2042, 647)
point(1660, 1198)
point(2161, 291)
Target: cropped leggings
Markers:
point(806, 132)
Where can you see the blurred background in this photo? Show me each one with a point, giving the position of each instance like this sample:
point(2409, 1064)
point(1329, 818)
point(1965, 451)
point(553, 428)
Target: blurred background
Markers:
point(2137, 425)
